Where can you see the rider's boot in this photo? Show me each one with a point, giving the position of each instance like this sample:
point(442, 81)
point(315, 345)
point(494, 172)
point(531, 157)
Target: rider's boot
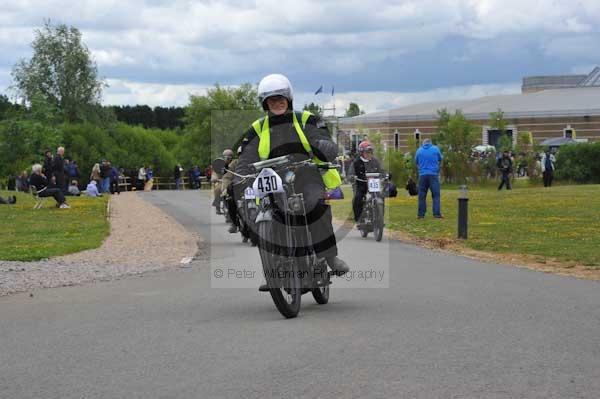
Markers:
point(233, 229)
point(263, 287)
point(337, 265)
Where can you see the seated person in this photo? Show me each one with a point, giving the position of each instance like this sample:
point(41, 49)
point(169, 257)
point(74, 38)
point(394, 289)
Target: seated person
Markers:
point(73, 189)
point(92, 189)
point(40, 182)
point(9, 200)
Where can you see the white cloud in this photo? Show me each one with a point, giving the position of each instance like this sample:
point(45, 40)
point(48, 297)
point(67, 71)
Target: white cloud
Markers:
point(229, 40)
point(111, 57)
point(574, 47)
point(380, 100)
point(125, 92)
point(122, 92)
point(5, 80)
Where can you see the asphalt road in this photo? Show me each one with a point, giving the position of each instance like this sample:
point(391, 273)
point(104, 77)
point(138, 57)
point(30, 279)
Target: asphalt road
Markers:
point(446, 327)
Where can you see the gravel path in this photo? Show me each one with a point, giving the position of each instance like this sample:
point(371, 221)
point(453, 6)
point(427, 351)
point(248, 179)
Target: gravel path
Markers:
point(142, 239)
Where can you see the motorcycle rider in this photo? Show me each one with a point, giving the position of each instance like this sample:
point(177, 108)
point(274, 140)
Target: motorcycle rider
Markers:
point(364, 163)
point(280, 133)
point(218, 175)
point(227, 193)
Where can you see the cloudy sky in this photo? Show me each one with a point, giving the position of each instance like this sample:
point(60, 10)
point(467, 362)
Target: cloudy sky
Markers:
point(381, 54)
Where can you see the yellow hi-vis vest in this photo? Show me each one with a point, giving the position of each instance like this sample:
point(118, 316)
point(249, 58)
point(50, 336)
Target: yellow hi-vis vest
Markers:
point(331, 178)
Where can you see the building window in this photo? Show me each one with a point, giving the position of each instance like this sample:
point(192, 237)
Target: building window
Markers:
point(568, 132)
point(396, 140)
point(492, 136)
point(417, 136)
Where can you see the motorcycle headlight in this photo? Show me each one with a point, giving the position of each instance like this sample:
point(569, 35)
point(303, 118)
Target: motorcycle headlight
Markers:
point(295, 204)
point(289, 177)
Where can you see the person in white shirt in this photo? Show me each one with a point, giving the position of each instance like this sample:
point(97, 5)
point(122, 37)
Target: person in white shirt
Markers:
point(92, 189)
point(141, 179)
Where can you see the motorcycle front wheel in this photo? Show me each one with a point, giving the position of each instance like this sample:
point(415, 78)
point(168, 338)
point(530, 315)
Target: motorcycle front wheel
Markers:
point(378, 222)
point(284, 285)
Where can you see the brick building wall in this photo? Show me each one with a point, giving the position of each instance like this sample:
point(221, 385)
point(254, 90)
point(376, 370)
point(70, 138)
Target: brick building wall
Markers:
point(586, 127)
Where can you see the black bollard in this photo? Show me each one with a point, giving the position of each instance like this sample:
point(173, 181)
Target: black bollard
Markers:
point(463, 212)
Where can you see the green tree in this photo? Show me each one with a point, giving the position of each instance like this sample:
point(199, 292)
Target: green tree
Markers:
point(7, 108)
point(313, 108)
point(497, 121)
point(353, 110)
point(22, 142)
point(456, 137)
point(377, 141)
point(216, 121)
point(61, 70)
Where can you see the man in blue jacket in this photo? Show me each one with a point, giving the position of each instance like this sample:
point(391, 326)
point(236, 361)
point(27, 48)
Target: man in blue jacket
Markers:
point(428, 159)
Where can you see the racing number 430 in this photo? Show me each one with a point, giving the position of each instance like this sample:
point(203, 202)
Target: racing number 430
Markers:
point(267, 184)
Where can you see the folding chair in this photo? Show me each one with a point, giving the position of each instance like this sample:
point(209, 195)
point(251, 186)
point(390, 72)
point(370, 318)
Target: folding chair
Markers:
point(39, 201)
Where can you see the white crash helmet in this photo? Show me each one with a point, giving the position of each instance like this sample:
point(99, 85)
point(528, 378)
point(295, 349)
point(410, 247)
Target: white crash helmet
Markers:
point(275, 85)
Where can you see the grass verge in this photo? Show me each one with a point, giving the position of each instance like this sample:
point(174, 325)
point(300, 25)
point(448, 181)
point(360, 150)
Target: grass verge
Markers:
point(546, 224)
point(27, 234)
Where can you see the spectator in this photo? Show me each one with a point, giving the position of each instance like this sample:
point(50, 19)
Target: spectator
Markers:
point(196, 176)
point(105, 175)
point(8, 201)
point(428, 159)
point(114, 180)
point(11, 183)
point(92, 189)
point(43, 189)
point(177, 176)
point(132, 176)
point(72, 170)
point(73, 189)
point(95, 175)
point(149, 179)
point(22, 182)
point(548, 167)
point(505, 166)
point(48, 164)
point(58, 169)
point(141, 178)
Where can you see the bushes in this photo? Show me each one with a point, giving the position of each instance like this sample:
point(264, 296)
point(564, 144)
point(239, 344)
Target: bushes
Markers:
point(22, 142)
point(125, 146)
point(579, 163)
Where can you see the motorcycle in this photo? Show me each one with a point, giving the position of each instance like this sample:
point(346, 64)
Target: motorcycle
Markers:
point(219, 168)
point(290, 265)
point(248, 210)
point(372, 216)
point(225, 206)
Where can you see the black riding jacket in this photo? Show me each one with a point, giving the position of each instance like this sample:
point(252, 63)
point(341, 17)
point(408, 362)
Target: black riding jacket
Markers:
point(285, 141)
point(361, 168)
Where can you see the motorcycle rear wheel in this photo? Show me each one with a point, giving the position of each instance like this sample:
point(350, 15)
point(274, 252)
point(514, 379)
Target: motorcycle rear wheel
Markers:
point(321, 293)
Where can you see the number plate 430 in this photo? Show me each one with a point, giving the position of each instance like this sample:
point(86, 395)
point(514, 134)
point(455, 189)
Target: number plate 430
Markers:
point(267, 182)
